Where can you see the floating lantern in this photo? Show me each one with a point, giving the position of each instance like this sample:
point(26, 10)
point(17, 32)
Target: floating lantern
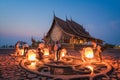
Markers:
point(46, 52)
point(62, 53)
point(21, 52)
point(31, 55)
point(89, 52)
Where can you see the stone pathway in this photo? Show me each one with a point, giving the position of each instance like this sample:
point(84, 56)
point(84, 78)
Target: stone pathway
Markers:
point(11, 70)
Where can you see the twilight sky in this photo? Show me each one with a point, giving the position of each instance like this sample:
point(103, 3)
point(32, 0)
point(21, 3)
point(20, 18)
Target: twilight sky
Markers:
point(22, 19)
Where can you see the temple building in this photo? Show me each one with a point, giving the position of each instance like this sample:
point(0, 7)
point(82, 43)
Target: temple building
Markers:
point(69, 33)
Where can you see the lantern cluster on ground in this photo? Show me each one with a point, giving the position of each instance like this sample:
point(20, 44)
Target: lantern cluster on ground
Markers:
point(45, 54)
point(51, 61)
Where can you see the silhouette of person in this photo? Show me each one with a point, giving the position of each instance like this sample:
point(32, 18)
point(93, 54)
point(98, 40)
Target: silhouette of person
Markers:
point(41, 50)
point(25, 47)
point(17, 48)
point(97, 50)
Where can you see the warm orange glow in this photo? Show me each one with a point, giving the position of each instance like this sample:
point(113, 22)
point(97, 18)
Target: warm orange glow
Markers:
point(81, 41)
point(41, 45)
point(55, 56)
point(32, 65)
point(46, 52)
point(63, 53)
point(91, 68)
point(31, 56)
point(21, 52)
point(46, 60)
point(89, 52)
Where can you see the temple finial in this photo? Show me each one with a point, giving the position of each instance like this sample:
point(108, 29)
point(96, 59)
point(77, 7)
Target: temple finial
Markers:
point(54, 13)
point(70, 18)
point(66, 18)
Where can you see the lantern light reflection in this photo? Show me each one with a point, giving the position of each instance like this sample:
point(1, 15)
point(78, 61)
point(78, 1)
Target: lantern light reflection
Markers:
point(91, 68)
point(32, 65)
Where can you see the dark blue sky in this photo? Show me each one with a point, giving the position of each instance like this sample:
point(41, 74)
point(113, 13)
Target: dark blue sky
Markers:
point(22, 19)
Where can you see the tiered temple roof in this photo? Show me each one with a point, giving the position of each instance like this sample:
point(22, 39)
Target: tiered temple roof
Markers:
point(72, 28)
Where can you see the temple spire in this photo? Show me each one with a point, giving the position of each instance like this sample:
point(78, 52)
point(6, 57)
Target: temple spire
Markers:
point(71, 18)
point(66, 18)
point(54, 13)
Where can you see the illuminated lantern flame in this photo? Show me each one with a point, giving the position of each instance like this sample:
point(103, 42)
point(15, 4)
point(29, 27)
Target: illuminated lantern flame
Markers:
point(31, 56)
point(22, 52)
point(46, 51)
point(63, 53)
point(89, 52)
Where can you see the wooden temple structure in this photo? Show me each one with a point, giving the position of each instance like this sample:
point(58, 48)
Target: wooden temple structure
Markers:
point(68, 33)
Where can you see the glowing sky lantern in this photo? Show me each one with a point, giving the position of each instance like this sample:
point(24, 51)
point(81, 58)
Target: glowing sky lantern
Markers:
point(89, 52)
point(22, 52)
point(31, 56)
point(46, 52)
point(63, 53)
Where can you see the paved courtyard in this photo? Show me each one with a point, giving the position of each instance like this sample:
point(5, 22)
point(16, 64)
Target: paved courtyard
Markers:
point(11, 70)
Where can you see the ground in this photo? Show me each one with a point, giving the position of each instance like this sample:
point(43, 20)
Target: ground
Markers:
point(11, 70)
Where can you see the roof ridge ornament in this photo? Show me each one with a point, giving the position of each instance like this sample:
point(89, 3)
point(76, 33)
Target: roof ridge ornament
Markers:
point(54, 13)
point(66, 18)
point(71, 18)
